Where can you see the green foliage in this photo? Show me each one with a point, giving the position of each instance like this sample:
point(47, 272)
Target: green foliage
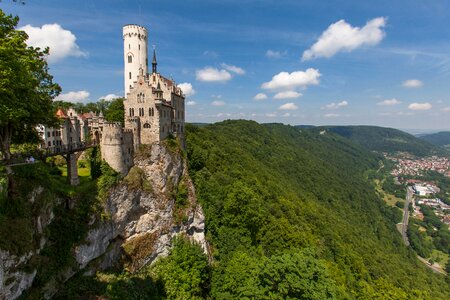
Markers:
point(26, 87)
point(115, 111)
point(382, 139)
point(136, 180)
point(294, 274)
point(184, 272)
point(95, 162)
point(269, 188)
point(107, 180)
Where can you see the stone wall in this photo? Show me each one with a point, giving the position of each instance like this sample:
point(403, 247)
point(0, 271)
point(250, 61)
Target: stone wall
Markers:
point(117, 147)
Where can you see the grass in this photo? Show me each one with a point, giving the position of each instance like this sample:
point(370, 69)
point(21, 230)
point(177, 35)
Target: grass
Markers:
point(439, 257)
point(388, 198)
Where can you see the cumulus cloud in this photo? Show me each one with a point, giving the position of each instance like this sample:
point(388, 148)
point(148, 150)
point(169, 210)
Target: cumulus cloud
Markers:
point(331, 115)
point(334, 105)
point(420, 106)
point(341, 36)
point(389, 102)
point(210, 74)
point(79, 96)
point(62, 42)
point(191, 103)
point(412, 83)
point(233, 69)
point(109, 97)
point(187, 89)
point(218, 103)
point(287, 95)
point(260, 96)
point(288, 106)
point(285, 80)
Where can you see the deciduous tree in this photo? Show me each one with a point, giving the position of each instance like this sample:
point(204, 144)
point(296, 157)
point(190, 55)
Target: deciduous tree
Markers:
point(26, 87)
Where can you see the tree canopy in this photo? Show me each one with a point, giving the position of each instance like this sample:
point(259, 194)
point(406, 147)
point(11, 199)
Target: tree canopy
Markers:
point(26, 87)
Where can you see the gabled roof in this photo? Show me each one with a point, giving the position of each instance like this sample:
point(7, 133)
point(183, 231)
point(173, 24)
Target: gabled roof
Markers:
point(60, 113)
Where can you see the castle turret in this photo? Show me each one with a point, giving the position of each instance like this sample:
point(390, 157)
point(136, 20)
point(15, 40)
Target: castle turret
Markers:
point(117, 147)
point(135, 53)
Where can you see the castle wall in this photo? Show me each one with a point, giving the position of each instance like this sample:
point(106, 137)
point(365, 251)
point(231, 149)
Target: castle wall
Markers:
point(117, 147)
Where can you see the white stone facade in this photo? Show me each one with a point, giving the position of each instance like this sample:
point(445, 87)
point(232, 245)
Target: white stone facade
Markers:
point(135, 50)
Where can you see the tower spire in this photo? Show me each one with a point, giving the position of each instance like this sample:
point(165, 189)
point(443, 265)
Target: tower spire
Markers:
point(154, 63)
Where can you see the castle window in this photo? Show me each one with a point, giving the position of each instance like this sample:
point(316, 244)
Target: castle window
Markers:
point(130, 59)
point(146, 125)
point(129, 75)
point(129, 46)
point(139, 46)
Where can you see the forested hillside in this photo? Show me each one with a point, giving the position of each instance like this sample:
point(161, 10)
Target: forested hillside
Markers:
point(383, 139)
point(290, 213)
point(439, 139)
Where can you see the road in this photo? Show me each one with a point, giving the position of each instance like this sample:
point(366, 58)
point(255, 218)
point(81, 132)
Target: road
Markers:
point(409, 196)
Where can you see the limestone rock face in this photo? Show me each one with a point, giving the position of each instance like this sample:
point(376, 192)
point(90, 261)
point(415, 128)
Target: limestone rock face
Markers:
point(148, 215)
point(13, 278)
point(139, 221)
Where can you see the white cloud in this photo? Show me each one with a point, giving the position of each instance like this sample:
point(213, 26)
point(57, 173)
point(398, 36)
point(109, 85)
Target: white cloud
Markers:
point(446, 108)
point(288, 106)
point(271, 115)
point(331, 115)
point(341, 36)
point(273, 54)
point(187, 89)
point(233, 69)
point(420, 106)
point(62, 42)
point(191, 103)
point(79, 96)
point(412, 83)
point(389, 102)
point(286, 115)
point(218, 103)
point(260, 96)
point(210, 74)
point(334, 105)
point(287, 95)
point(285, 80)
point(109, 97)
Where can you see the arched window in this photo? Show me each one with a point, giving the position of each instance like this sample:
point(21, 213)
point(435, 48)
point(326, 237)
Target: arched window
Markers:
point(146, 125)
point(130, 59)
point(132, 112)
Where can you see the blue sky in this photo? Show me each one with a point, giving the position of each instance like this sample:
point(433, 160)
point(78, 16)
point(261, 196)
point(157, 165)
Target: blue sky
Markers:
point(383, 63)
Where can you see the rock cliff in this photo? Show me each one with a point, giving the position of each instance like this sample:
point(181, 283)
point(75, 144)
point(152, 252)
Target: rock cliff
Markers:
point(141, 215)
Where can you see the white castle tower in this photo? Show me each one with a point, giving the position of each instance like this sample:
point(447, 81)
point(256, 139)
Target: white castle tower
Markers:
point(135, 53)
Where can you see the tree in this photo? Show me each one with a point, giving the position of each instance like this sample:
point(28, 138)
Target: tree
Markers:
point(115, 111)
point(26, 87)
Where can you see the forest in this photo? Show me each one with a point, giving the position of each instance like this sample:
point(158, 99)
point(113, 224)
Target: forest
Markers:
point(275, 196)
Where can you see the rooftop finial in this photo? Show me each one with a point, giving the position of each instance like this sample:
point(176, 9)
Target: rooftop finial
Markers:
point(154, 63)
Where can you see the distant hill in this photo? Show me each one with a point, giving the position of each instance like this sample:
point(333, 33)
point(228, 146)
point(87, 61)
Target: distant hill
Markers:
point(383, 139)
point(290, 214)
point(439, 139)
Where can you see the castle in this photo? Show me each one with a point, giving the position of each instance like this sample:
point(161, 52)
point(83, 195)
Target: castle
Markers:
point(154, 109)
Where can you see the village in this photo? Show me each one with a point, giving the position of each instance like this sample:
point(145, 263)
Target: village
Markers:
point(408, 170)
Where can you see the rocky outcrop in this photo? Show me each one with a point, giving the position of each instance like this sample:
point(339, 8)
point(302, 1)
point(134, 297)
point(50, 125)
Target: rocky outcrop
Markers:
point(134, 212)
point(15, 273)
point(140, 219)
